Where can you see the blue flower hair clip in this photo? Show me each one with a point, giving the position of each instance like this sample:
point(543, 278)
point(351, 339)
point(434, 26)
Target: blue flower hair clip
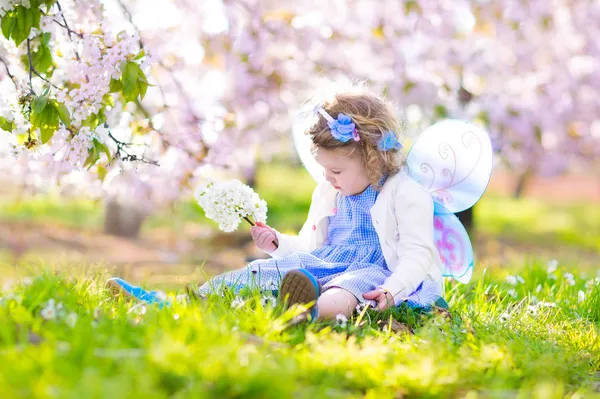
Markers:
point(342, 128)
point(389, 141)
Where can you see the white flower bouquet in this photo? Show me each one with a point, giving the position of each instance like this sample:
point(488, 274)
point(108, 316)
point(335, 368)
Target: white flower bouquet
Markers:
point(229, 201)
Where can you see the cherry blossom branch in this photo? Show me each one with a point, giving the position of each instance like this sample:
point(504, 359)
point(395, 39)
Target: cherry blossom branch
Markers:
point(66, 25)
point(129, 157)
point(32, 70)
point(178, 86)
point(10, 75)
point(30, 64)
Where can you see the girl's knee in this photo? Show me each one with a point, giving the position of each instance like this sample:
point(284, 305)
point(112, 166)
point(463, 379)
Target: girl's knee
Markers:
point(336, 301)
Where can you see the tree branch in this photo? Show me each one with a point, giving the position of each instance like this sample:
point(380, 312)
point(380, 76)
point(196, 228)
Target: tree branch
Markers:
point(32, 70)
point(66, 26)
point(30, 64)
point(178, 86)
point(127, 156)
point(10, 75)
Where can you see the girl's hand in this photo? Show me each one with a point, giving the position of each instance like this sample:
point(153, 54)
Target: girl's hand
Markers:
point(264, 237)
point(383, 298)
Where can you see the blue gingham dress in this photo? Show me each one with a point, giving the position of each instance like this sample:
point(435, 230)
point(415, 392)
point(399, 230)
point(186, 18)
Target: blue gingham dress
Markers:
point(350, 259)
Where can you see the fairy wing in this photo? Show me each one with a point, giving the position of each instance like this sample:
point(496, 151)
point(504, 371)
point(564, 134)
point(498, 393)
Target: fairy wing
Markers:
point(453, 160)
point(303, 143)
point(453, 244)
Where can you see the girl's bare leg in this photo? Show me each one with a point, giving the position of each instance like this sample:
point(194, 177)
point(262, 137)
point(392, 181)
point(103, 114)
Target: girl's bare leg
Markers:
point(336, 301)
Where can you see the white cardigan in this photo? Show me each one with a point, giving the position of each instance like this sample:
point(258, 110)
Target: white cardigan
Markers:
point(403, 219)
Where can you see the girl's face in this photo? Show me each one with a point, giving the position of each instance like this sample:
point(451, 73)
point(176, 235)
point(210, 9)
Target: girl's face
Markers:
point(344, 170)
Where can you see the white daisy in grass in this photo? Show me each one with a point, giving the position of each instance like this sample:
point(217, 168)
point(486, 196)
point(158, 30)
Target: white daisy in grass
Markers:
point(341, 320)
point(237, 303)
point(552, 266)
point(569, 278)
point(71, 319)
point(49, 311)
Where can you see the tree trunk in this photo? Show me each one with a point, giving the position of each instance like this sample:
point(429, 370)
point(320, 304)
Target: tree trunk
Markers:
point(466, 217)
point(123, 220)
point(521, 184)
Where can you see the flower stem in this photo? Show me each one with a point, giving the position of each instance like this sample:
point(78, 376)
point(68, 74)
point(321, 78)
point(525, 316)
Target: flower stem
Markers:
point(249, 221)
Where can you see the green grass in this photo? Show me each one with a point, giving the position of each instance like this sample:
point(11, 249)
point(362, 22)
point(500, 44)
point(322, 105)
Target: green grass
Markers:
point(498, 344)
point(535, 222)
point(288, 190)
point(80, 213)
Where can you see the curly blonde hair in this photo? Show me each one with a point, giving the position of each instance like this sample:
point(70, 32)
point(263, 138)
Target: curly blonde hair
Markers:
point(373, 117)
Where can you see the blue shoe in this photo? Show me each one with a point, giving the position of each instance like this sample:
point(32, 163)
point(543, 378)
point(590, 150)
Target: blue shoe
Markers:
point(118, 286)
point(300, 287)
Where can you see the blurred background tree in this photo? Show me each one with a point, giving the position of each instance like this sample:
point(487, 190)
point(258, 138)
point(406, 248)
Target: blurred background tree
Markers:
point(133, 101)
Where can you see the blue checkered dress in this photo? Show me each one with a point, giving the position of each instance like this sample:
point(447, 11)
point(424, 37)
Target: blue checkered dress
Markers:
point(350, 259)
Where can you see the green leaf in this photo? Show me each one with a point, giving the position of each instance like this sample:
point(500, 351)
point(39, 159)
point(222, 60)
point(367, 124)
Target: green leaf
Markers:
point(63, 113)
point(42, 59)
point(101, 172)
point(101, 147)
point(92, 158)
point(8, 24)
point(21, 32)
point(49, 123)
point(6, 125)
point(38, 104)
point(139, 55)
point(143, 88)
point(21, 15)
point(36, 16)
point(19, 35)
point(440, 111)
point(115, 86)
point(28, 18)
point(45, 39)
point(131, 88)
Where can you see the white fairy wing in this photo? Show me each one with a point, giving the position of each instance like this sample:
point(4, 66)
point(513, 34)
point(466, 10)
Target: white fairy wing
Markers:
point(303, 143)
point(453, 244)
point(453, 160)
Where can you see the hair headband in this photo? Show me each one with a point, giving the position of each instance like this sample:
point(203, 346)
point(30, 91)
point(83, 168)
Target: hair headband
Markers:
point(343, 129)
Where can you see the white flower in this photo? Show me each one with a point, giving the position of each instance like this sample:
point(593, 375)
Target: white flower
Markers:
point(228, 201)
point(552, 266)
point(27, 281)
point(532, 310)
point(538, 288)
point(71, 319)
point(512, 293)
point(570, 279)
point(49, 312)
point(268, 299)
point(534, 300)
point(580, 296)
point(547, 304)
point(96, 313)
point(176, 316)
point(512, 280)
point(361, 306)
point(504, 317)
point(138, 309)
point(552, 277)
point(237, 303)
point(341, 320)
point(592, 282)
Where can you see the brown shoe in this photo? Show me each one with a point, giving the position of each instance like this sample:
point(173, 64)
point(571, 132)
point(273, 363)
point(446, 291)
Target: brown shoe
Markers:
point(300, 287)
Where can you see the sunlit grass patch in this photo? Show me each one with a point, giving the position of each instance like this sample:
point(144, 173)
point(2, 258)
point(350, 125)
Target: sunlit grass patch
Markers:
point(527, 333)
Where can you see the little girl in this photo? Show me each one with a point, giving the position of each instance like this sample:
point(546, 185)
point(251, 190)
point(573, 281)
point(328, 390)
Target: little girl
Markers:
point(369, 234)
